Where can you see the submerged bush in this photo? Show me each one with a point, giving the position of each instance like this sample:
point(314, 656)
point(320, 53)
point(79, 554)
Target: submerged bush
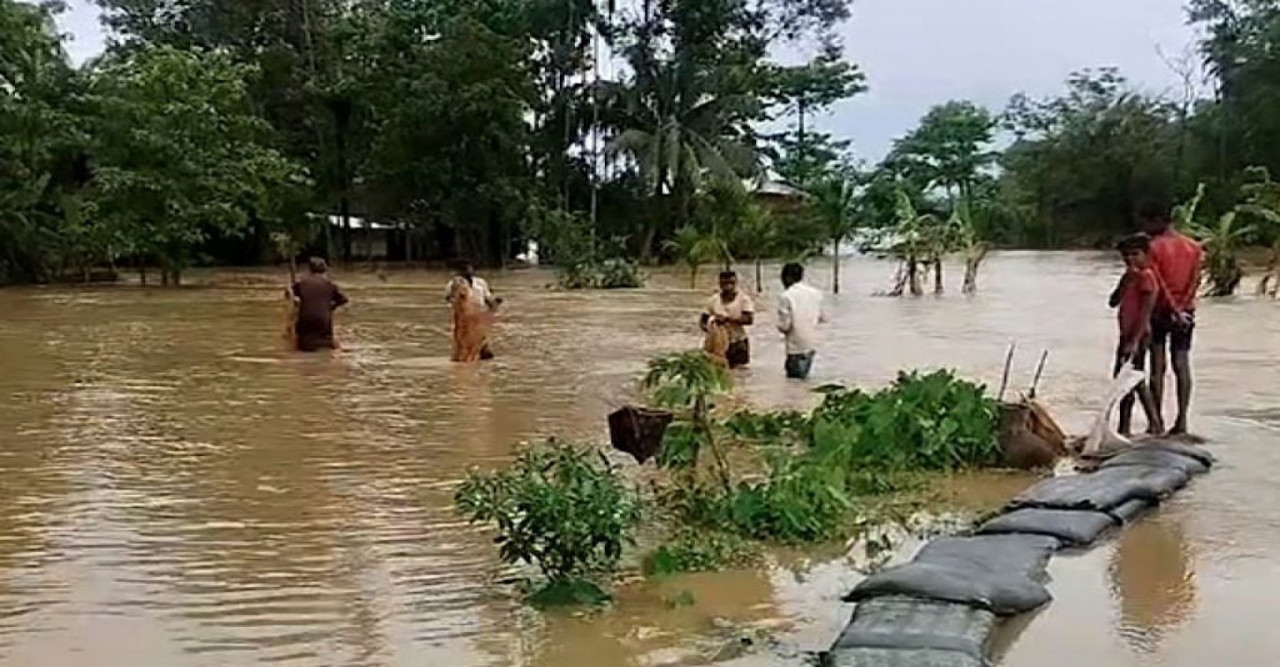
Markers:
point(692, 550)
point(592, 273)
point(561, 508)
point(853, 446)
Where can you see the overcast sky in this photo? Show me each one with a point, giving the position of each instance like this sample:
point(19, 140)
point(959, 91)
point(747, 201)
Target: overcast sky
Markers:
point(917, 53)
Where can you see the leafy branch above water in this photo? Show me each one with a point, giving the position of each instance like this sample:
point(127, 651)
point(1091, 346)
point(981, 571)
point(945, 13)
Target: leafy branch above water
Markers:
point(733, 481)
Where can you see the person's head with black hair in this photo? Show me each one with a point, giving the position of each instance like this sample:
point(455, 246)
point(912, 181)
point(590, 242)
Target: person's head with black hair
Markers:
point(792, 273)
point(728, 284)
point(1136, 250)
point(464, 268)
point(1153, 216)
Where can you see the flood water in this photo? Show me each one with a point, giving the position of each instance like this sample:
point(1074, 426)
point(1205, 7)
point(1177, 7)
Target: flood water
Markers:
point(176, 489)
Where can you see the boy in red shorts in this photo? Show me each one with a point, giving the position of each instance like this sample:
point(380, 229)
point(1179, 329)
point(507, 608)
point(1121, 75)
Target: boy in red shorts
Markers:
point(1176, 259)
point(1135, 299)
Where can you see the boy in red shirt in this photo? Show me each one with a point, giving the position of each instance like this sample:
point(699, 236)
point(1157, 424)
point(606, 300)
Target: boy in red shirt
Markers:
point(1176, 259)
point(1135, 298)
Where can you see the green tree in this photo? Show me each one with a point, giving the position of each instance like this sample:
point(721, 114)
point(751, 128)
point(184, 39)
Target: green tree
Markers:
point(832, 203)
point(803, 90)
point(42, 142)
point(692, 248)
point(950, 150)
point(177, 152)
point(1081, 162)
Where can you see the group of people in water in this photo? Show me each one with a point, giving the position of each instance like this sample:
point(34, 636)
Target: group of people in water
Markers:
point(799, 313)
point(1155, 301)
point(316, 297)
point(728, 314)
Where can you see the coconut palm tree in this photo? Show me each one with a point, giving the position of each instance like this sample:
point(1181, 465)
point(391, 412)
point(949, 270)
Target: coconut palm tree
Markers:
point(692, 248)
point(673, 121)
point(832, 204)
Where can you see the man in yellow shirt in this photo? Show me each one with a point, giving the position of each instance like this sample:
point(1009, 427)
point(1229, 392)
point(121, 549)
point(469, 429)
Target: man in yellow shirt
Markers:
point(732, 309)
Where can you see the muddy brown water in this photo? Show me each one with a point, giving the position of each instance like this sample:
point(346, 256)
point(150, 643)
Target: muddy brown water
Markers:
point(175, 489)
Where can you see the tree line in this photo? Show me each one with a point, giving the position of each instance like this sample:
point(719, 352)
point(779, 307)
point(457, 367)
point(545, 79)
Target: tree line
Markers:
point(231, 132)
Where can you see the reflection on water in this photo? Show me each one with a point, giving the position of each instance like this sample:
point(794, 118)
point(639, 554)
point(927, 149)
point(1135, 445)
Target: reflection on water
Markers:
point(179, 490)
point(1153, 576)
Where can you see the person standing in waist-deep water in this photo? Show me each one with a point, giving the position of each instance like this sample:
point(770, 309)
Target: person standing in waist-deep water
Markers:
point(732, 309)
point(799, 314)
point(472, 304)
point(1176, 260)
point(1135, 300)
point(317, 297)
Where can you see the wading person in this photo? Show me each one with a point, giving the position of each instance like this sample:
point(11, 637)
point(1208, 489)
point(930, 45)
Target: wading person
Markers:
point(799, 314)
point(316, 297)
point(1176, 261)
point(1135, 300)
point(472, 304)
point(733, 310)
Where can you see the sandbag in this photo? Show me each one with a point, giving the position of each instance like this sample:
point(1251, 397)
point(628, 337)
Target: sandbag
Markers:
point(885, 657)
point(1103, 490)
point(1183, 449)
point(1157, 458)
point(907, 623)
point(999, 573)
point(1130, 511)
point(1076, 528)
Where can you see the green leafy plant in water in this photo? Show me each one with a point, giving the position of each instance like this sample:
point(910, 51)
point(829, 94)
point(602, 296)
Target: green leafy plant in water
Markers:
point(696, 550)
point(922, 422)
point(687, 383)
point(561, 508)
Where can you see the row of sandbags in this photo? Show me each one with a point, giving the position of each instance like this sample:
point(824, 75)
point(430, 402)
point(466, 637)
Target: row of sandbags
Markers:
point(939, 609)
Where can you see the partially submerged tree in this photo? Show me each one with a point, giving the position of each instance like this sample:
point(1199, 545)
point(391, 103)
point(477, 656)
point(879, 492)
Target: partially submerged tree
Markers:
point(832, 203)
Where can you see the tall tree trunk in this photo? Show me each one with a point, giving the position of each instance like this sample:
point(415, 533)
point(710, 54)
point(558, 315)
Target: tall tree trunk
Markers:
point(937, 275)
point(835, 266)
point(344, 210)
point(913, 276)
point(759, 275)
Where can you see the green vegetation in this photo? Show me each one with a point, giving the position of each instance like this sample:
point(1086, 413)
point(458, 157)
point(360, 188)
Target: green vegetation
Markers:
point(212, 133)
point(735, 480)
point(561, 508)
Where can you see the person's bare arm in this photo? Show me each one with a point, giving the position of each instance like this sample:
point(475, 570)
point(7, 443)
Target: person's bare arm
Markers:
point(748, 318)
point(1118, 293)
point(1190, 303)
point(1130, 339)
point(339, 299)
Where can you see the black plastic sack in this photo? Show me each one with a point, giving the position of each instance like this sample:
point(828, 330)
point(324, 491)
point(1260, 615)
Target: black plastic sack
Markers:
point(887, 657)
point(1190, 451)
point(1103, 490)
point(1075, 528)
point(1155, 457)
point(907, 623)
point(1000, 573)
point(1130, 511)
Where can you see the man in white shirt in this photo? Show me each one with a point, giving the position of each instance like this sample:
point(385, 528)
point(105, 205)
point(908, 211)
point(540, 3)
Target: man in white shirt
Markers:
point(799, 314)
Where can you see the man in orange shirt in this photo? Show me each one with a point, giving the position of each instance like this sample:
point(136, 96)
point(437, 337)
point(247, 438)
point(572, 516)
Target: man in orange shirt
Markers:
point(1176, 259)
